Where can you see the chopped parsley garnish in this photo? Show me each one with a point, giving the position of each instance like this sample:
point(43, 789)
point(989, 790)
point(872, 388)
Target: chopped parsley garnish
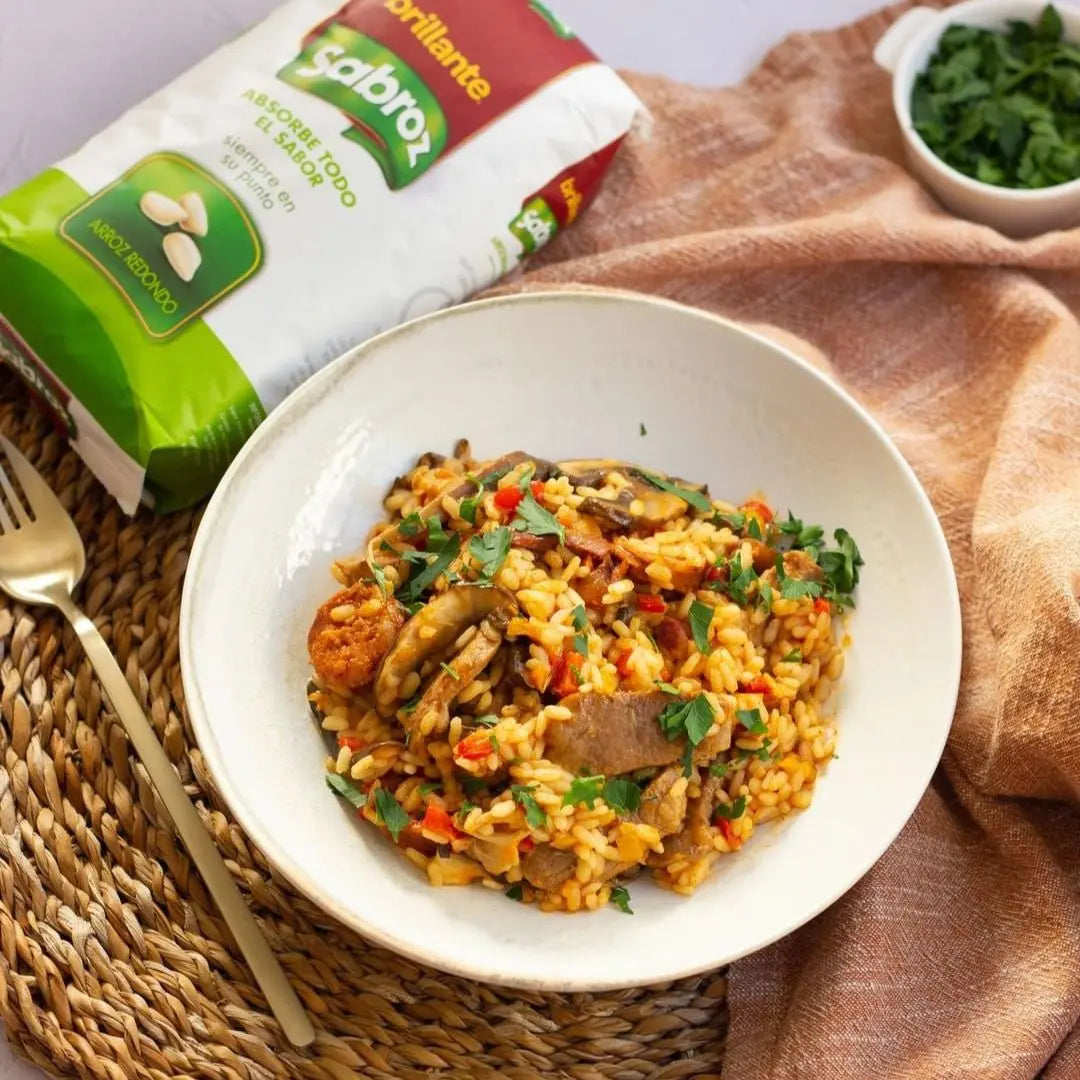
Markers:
point(807, 537)
point(471, 785)
point(350, 792)
point(525, 479)
point(690, 718)
point(688, 760)
point(793, 657)
point(753, 528)
point(534, 519)
point(734, 519)
point(581, 624)
point(515, 892)
point(467, 506)
point(620, 897)
point(436, 535)
point(735, 810)
point(388, 811)
point(487, 720)
point(450, 671)
point(694, 498)
point(794, 588)
point(700, 621)
point(623, 796)
point(379, 577)
point(718, 769)
point(667, 688)
point(584, 789)
point(494, 743)
point(466, 806)
point(490, 550)
point(765, 595)
point(419, 582)
point(429, 786)
point(751, 720)
point(841, 568)
point(410, 525)
point(522, 794)
point(740, 579)
point(492, 478)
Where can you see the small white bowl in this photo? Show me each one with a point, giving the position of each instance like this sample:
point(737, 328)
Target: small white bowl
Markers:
point(564, 375)
point(905, 49)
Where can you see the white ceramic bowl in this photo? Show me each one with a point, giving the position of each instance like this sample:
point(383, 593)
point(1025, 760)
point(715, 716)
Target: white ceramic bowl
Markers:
point(563, 375)
point(905, 49)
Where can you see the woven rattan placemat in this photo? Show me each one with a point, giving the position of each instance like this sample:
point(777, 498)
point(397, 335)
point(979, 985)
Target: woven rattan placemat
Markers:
point(114, 963)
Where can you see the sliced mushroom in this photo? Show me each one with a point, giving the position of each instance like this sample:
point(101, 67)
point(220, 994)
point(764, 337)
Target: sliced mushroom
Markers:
point(656, 507)
point(607, 511)
point(432, 630)
point(589, 472)
point(457, 673)
point(518, 661)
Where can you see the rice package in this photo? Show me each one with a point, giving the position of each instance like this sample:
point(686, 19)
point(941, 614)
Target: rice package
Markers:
point(329, 174)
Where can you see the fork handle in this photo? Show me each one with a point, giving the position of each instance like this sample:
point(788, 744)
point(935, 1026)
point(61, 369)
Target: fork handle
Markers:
point(264, 965)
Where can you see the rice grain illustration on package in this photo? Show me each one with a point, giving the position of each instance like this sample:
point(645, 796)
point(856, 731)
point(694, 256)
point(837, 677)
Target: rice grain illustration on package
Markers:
point(331, 173)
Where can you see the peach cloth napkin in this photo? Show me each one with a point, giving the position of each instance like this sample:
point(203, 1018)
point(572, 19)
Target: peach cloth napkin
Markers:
point(785, 202)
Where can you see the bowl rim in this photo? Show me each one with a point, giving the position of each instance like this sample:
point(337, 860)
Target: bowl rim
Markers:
point(280, 857)
point(903, 80)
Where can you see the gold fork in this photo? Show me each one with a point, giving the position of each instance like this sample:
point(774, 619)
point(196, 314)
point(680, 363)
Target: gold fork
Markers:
point(41, 561)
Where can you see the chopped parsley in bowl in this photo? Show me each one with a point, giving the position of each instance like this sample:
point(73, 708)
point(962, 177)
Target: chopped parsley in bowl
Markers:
point(1003, 106)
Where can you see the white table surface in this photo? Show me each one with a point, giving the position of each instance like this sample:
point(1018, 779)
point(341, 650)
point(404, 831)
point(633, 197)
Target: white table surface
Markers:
point(64, 78)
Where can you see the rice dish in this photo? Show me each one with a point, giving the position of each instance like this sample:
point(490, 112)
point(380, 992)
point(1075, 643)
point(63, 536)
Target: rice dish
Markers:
point(549, 678)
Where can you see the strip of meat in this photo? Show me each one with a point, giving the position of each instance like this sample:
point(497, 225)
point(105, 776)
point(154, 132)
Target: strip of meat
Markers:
point(593, 587)
point(618, 733)
point(797, 564)
point(595, 546)
point(672, 635)
point(533, 543)
point(695, 837)
point(663, 802)
point(547, 867)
